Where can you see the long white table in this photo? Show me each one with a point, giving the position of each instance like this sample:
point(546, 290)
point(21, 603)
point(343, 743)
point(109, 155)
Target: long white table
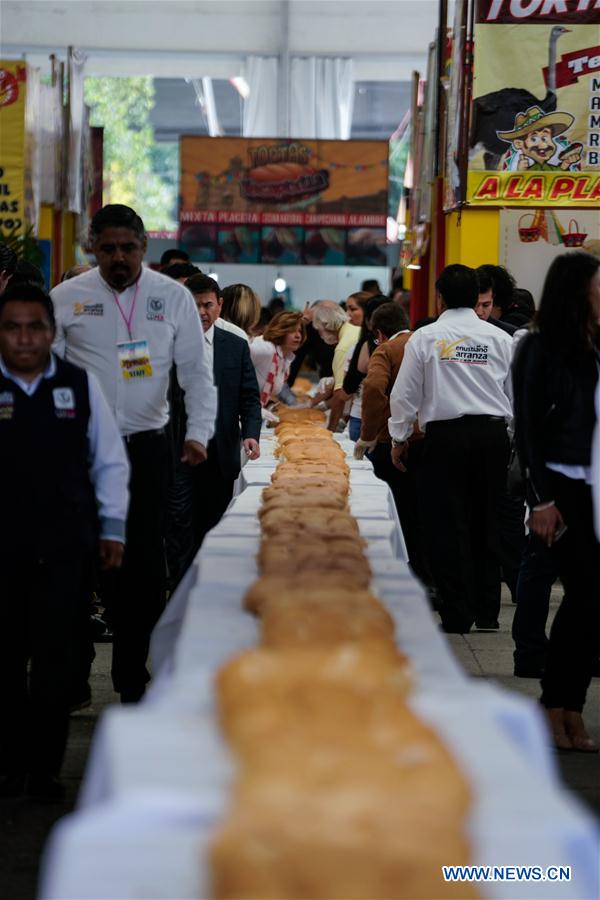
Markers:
point(159, 774)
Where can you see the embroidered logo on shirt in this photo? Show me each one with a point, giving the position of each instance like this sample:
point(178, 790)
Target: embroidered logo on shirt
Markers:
point(457, 351)
point(155, 309)
point(88, 309)
point(64, 402)
point(7, 406)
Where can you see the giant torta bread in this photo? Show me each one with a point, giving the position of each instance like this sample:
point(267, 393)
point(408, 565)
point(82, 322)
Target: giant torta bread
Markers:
point(306, 582)
point(300, 414)
point(324, 619)
point(303, 498)
point(353, 846)
point(313, 522)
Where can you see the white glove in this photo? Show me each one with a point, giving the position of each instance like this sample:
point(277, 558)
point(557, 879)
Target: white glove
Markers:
point(325, 385)
point(362, 447)
point(269, 417)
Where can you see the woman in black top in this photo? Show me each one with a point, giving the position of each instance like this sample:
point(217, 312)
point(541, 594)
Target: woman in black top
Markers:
point(555, 375)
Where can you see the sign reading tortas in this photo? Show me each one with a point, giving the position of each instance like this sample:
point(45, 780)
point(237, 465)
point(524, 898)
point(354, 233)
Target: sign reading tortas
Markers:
point(12, 146)
point(535, 116)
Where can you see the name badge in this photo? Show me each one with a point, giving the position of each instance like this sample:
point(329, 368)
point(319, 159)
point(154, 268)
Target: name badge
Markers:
point(64, 402)
point(134, 360)
point(7, 406)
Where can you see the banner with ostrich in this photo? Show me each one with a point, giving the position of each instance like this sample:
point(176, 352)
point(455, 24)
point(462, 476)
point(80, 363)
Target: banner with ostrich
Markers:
point(534, 136)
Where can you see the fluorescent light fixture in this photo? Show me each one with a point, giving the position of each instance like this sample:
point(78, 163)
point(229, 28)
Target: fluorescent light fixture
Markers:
point(280, 284)
point(241, 86)
point(413, 266)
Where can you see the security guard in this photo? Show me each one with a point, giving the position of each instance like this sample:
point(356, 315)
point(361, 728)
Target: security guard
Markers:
point(455, 377)
point(129, 326)
point(64, 499)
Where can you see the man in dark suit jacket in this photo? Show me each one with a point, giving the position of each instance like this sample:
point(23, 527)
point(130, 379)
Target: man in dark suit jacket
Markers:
point(200, 495)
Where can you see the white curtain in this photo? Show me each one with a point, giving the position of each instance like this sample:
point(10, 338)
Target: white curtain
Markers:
point(51, 128)
point(76, 121)
point(33, 149)
point(261, 107)
point(321, 98)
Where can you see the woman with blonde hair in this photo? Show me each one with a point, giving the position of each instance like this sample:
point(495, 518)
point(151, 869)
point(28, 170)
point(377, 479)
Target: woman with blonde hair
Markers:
point(273, 352)
point(241, 306)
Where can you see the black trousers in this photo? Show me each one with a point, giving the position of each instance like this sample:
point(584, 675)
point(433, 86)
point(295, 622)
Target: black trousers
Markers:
point(44, 609)
point(511, 516)
point(536, 577)
point(197, 500)
point(403, 486)
point(462, 476)
point(135, 595)
point(575, 633)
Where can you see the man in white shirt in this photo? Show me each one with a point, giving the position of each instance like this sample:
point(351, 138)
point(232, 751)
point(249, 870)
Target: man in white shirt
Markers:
point(455, 377)
point(128, 325)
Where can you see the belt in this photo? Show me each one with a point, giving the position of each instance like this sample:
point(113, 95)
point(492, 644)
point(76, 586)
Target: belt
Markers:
point(464, 420)
point(141, 435)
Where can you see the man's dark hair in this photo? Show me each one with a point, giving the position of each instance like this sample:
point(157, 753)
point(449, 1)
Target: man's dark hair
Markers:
point(502, 284)
point(115, 215)
point(26, 271)
point(389, 318)
point(173, 253)
point(202, 284)
point(8, 259)
point(26, 292)
point(181, 270)
point(524, 300)
point(485, 279)
point(458, 286)
point(371, 284)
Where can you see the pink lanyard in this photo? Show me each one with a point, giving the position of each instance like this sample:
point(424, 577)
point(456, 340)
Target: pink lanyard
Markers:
point(128, 319)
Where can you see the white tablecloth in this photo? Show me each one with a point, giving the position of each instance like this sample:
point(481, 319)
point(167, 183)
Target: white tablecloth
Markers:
point(158, 775)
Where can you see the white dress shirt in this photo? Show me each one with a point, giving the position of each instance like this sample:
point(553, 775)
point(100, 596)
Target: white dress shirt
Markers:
point(234, 329)
point(261, 352)
point(457, 366)
point(108, 463)
point(209, 340)
point(89, 326)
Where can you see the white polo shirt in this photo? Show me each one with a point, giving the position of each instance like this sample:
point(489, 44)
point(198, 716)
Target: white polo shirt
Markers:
point(457, 366)
point(90, 325)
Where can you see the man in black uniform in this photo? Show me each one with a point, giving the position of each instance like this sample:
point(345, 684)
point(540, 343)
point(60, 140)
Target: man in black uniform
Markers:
point(200, 496)
point(64, 499)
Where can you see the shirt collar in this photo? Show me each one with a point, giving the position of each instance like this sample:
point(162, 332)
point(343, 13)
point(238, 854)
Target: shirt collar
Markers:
point(398, 333)
point(209, 335)
point(114, 291)
point(461, 312)
point(49, 372)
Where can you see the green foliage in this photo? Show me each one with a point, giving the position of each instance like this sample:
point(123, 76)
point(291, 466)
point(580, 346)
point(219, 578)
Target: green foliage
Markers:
point(137, 171)
point(24, 246)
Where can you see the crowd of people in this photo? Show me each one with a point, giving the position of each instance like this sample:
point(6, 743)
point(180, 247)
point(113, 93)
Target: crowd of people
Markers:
point(130, 399)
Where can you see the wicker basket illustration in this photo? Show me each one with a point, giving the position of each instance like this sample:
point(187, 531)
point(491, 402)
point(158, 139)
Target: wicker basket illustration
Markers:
point(530, 233)
point(574, 237)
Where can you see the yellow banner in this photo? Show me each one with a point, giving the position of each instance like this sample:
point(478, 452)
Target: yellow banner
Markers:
point(577, 189)
point(535, 116)
point(12, 146)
